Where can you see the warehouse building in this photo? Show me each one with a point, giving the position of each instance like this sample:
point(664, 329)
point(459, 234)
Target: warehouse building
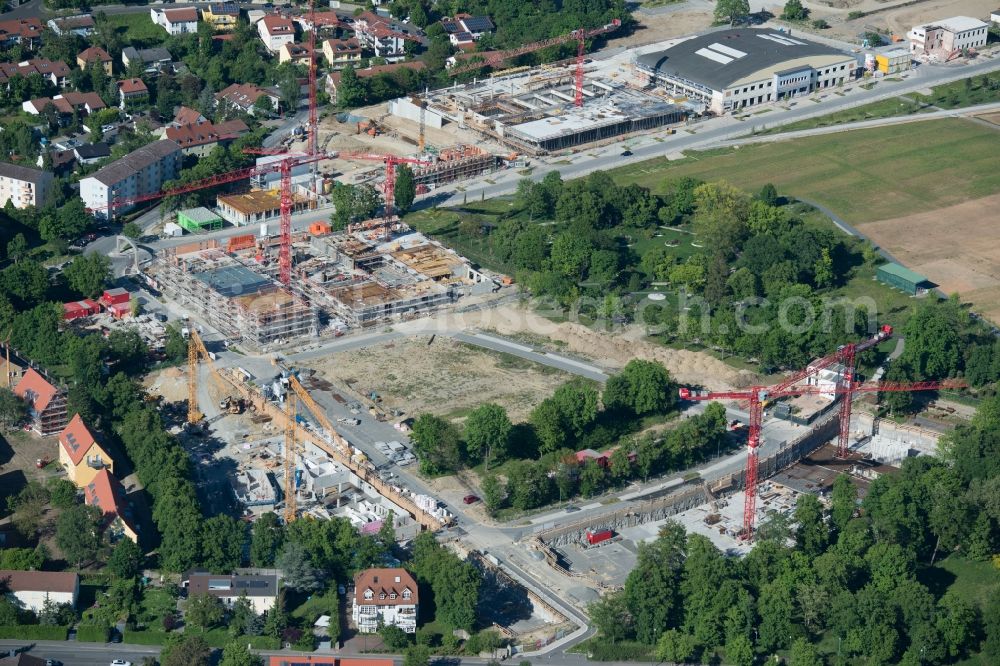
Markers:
point(743, 67)
point(902, 278)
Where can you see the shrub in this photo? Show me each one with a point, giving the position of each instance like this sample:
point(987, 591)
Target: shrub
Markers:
point(93, 633)
point(147, 637)
point(855, 15)
point(261, 642)
point(620, 652)
point(38, 632)
point(820, 24)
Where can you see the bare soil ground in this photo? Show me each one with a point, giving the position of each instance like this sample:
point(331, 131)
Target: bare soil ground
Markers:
point(686, 20)
point(957, 247)
point(898, 20)
point(445, 377)
point(608, 349)
point(171, 383)
point(990, 118)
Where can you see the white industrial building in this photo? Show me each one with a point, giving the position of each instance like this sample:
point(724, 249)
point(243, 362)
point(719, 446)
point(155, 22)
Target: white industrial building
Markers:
point(30, 589)
point(948, 38)
point(141, 172)
point(734, 69)
point(383, 597)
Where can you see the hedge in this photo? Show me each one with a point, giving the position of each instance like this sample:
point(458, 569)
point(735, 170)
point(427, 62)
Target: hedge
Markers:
point(622, 651)
point(38, 632)
point(92, 633)
point(217, 638)
point(148, 637)
point(261, 642)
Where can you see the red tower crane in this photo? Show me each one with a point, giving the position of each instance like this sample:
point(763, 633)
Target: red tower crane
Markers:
point(758, 395)
point(313, 145)
point(391, 161)
point(494, 58)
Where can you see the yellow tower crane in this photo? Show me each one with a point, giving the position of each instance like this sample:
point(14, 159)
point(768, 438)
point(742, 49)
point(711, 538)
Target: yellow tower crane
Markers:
point(197, 352)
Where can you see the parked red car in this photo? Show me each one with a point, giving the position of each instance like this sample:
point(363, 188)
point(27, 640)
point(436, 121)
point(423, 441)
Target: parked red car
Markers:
point(470, 499)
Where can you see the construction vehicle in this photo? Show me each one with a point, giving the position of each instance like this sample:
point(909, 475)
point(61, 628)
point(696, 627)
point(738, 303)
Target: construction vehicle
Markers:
point(232, 405)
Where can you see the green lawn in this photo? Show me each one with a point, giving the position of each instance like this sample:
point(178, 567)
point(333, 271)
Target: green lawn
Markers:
point(316, 605)
point(976, 582)
point(156, 603)
point(864, 175)
point(138, 29)
point(886, 108)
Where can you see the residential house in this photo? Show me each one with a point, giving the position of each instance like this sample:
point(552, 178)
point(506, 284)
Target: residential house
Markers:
point(80, 453)
point(276, 31)
point(108, 494)
point(89, 153)
point(243, 97)
point(98, 55)
point(222, 16)
point(386, 37)
point(81, 24)
point(61, 161)
point(295, 53)
point(30, 589)
point(66, 103)
point(465, 30)
point(383, 597)
point(131, 93)
point(946, 39)
point(260, 589)
point(175, 21)
point(340, 53)
point(141, 172)
point(327, 23)
point(23, 659)
point(46, 403)
point(187, 116)
point(24, 186)
point(333, 78)
point(56, 72)
point(201, 138)
point(26, 31)
point(153, 61)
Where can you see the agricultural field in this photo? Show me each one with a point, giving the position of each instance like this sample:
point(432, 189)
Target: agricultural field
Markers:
point(863, 175)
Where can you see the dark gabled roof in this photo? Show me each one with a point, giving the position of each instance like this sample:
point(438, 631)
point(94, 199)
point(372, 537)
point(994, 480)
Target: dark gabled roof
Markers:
point(719, 59)
point(27, 174)
point(232, 585)
point(93, 151)
point(477, 23)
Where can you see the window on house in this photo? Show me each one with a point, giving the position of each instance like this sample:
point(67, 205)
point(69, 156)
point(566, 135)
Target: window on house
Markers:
point(406, 594)
point(392, 596)
point(368, 594)
point(381, 595)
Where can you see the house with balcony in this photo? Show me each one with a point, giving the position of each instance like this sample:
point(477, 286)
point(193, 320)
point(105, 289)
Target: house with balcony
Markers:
point(46, 403)
point(386, 37)
point(26, 32)
point(260, 589)
point(294, 53)
point(80, 453)
point(140, 173)
point(55, 72)
point(176, 21)
point(383, 597)
point(132, 93)
point(152, 61)
point(222, 16)
point(81, 24)
point(340, 53)
point(24, 186)
point(276, 31)
point(243, 97)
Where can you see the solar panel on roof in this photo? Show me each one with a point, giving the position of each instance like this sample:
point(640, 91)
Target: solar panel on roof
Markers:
point(478, 24)
point(450, 26)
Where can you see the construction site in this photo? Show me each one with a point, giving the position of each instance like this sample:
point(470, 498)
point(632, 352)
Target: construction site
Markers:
point(340, 281)
point(534, 112)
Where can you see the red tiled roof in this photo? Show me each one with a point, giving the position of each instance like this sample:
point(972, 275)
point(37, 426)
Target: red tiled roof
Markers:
point(94, 54)
point(26, 28)
point(76, 439)
point(181, 15)
point(108, 494)
point(324, 18)
point(278, 25)
point(241, 94)
point(29, 67)
point(187, 116)
point(199, 134)
point(129, 86)
point(38, 581)
point(344, 45)
point(35, 390)
point(415, 65)
point(387, 582)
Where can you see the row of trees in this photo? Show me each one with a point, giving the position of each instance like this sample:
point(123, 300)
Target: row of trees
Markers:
point(859, 577)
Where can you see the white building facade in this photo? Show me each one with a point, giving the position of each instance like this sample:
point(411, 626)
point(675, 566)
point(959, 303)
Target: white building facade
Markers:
point(175, 21)
point(383, 597)
point(948, 38)
point(139, 173)
point(30, 589)
point(23, 186)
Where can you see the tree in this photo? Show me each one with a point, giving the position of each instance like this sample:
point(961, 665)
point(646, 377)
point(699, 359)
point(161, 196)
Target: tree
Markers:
point(28, 507)
point(77, 533)
point(299, 573)
point(739, 651)
point(642, 387)
point(812, 534)
point(417, 655)
point(804, 653)
point(612, 617)
point(17, 247)
point(675, 647)
point(576, 401)
point(223, 538)
point(487, 430)
point(131, 230)
point(549, 425)
point(436, 443)
point(186, 650)
point(267, 537)
point(204, 610)
point(87, 274)
point(62, 493)
point(394, 638)
point(734, 11)
point(351, 91)
point(794, 11)
point(13, 410)
point(493, 492)
point(843, 501)
point(237, 654)
point(125, 560)
point(592, 478)
point(769, 193)
point(406, 188)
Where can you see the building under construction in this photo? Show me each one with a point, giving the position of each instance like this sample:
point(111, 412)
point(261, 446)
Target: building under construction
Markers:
point(457, 163)
point(533, 111)
point(339, 281)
